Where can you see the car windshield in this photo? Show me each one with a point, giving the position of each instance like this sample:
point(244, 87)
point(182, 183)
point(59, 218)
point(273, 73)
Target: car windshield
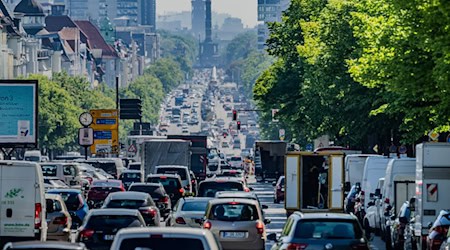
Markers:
point(327, 229)
point(154, 191)
point(135, 167)
point(108, 167)
point(195, 205)
point(213, 167)
point(234, 211)
point(161, 243)
point(129, 204)
point(113, 221)
point(209, 189)
point(179, 171)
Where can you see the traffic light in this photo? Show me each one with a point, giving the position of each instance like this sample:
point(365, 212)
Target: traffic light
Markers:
point(130, 109)
point(234, 115)
point(239, 125)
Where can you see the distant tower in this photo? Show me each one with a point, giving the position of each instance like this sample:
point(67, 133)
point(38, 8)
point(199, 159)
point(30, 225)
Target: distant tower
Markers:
point(198, 17)
point(209, 50)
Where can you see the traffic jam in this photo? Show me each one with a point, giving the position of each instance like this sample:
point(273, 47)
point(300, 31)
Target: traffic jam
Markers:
point(218, 186)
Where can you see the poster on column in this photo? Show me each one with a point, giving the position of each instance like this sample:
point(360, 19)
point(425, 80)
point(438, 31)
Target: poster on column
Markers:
point(18, 112)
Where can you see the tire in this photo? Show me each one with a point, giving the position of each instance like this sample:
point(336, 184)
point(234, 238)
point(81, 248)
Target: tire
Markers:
point(387, 239)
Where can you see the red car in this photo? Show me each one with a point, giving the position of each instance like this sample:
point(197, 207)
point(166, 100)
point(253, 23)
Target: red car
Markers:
point(278, 190)
point(100, 189)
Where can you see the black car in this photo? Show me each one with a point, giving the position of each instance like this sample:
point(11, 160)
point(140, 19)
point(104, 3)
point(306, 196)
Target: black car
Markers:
point(158, 194)
point(209, 188)
point(101, 225)
point(172, 184)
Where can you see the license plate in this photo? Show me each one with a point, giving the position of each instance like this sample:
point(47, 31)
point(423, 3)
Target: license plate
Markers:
point(233, 235)
point(108, 237)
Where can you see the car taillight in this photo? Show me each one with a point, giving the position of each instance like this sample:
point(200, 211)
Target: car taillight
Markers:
point(180, 220)
point(164, 199)
point(246, 189)
point(89, 179)
point(297, 246)
point(260, 227)
point(86, 233)
point(60, 220)
point(37, 215)
point(181, 190)
point(207, 225)
point(387, 201)
point(150, 211)
point(193, 181)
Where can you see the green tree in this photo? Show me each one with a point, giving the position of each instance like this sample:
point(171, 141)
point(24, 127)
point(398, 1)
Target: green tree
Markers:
point(168, 72)
point(240, 47)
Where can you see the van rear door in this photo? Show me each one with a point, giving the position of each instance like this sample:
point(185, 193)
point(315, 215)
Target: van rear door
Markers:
point(18, 189)
point(403, 191)
point(337, 178)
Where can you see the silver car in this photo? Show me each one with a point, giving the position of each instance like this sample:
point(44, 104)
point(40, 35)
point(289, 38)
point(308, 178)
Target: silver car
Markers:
point(237, 223)
point(58, 218)
point(188, 212)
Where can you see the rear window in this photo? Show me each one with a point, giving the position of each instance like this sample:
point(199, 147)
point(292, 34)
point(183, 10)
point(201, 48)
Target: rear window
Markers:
point(195, 206)
point(236, 159)
point(160, 243)
point(113, 221)
point(128, 204)
point(108, 167)
point(168, 183)
point(106, 184)
point(104, 189)
point(231, 174)
point(213, 167)
point(209, 189)
point(327, 229)
point(234, 211)
point(153, 191)
point(135, 167)
point(179, 171)
point(49, 170)
point(131, 176)
point(72, 200)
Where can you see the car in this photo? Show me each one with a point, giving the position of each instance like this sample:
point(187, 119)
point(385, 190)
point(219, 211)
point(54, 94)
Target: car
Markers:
point(58, 218)
point(225, 144)
point(50, 245)
point(172, 184)
point(318, 230)
point(182, 171)
point(75, 203)
point(112, 166)
point(101, 189)
point(237, 223)
point(130, 176)
point(236, 162)
point(134, 166)
point(158, 194)
point(101, 225)
point(188, 212)
point(135, 200)
point(54, 182)
point(439, 230)
point(398, 225)
point(233, 173)
point(69, 173)
point(279, 190)
point(240, 195)
point(165, 238)
point(209, 187)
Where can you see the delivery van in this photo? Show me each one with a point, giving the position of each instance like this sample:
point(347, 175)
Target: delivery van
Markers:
point(354, 167)
point(374, 169)
point(22, 202)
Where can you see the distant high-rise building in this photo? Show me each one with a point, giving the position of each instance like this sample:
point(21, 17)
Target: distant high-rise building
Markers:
point(147, 15)
point(198, 17)
point(83, 9)
point(269, 11)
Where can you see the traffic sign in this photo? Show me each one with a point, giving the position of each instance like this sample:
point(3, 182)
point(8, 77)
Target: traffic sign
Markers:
point(309, 147)
point(274, 114)
point(132, 149)
point(403, 149)
point(393, 149)
point(434, 136)
point(86, 137)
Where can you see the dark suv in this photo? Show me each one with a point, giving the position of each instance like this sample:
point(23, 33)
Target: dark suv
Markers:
point(158, 194)
point(209, 187)
point(172, 184)
point(316, 230)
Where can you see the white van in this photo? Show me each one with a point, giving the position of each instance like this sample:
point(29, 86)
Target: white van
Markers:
point(69, 173)
point(354, 167)
point(22, 202)
point(374, 169)
point(399, 186)
point(33, 155)
point(182, 171)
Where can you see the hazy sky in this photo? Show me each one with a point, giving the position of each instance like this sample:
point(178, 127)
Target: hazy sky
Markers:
point(244, 9)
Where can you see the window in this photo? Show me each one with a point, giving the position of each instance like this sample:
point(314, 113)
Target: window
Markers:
point(153, 191)
point(234, 212)
point(179, 171)
point(128, 204)
point(69, 170)
point(327, 229)
point(209, 189)
point(49, 170)
point(287, 228)
point(161, 243)
point(113, 221)
point(195, 206)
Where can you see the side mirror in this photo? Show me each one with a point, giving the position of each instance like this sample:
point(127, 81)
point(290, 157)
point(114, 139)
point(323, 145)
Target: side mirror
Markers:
point(372, 196)
point(264, 206)
point(386, 214)
point(347, 187)
point(274, 183)
point(267, 221)
point(272, 237)
point(430, 225)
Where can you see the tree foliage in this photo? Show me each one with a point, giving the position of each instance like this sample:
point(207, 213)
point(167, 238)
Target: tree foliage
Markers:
point(168, 72)
point(359, 70)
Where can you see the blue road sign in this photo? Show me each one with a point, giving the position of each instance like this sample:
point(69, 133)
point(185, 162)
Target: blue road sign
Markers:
point(309, 147)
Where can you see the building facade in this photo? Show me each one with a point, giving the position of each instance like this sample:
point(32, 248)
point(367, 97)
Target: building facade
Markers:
point(269, 11)
point(198, 17)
